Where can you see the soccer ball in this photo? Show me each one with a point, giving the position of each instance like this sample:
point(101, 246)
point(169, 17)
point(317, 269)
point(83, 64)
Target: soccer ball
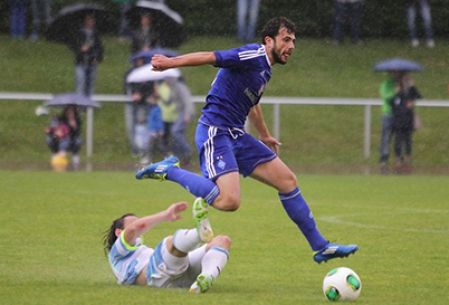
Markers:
point(342, 284)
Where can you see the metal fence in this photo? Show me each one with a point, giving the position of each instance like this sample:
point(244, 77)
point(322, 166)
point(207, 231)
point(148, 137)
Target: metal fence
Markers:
point(367, 103)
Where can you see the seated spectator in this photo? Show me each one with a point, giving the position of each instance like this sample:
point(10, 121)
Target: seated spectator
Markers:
point(63, 137)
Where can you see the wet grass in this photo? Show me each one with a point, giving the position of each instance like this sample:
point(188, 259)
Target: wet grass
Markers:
point(52, 226)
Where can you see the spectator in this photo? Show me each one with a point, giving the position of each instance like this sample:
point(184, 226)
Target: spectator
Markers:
point(17, 18)
point(424, 8)
point(88, 49)
point(142, 96)
point(345, 10)
point(403, 122)
point(64, 135)
point(247, 14)
point(133, 107)
point(388, 89)
point(184, 112)
point(41, 17)
point(123, 30)
point(145, 37)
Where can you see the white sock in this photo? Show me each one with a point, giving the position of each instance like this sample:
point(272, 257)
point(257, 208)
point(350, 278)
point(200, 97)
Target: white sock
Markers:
point(186, 240)
point(214, 261)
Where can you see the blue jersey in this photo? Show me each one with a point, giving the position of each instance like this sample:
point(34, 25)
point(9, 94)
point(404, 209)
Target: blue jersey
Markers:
point(239, 84)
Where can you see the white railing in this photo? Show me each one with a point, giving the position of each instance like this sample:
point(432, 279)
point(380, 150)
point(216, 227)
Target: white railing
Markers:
point(275, 101)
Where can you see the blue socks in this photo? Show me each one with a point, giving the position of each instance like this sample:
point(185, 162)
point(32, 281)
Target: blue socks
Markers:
point(298, 211)
point(195, 184)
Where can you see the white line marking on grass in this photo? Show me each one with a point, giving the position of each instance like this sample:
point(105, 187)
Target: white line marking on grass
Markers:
point(339, 220)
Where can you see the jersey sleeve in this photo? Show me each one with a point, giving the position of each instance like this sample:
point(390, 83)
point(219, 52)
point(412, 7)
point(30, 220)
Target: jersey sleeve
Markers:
point(238, 57)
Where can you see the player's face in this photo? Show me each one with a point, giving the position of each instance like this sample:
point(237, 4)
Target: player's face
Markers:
point(128, 220)
point(283, 46)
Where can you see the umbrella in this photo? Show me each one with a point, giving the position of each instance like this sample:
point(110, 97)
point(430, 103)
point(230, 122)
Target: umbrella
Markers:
point(71, 99)
point(148, 54)
point(167, 22)
point(65, 25)
point(147, 74)
point(397, 64)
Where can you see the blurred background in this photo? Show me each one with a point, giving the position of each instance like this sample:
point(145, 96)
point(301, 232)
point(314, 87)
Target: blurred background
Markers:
point(316, 138)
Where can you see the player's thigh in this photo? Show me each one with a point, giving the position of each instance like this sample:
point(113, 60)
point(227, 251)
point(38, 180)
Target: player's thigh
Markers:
point(277, 174)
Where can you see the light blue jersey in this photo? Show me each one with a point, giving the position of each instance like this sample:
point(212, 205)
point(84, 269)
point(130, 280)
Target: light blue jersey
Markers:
point(128, 261)
point(239, 84)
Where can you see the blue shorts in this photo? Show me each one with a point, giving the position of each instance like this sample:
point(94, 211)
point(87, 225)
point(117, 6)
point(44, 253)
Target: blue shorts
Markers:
point(229, 150)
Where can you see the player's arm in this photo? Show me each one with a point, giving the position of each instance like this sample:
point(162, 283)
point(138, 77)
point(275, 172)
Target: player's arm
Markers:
point(144, 224)
point(257, 120)
point(161, 62)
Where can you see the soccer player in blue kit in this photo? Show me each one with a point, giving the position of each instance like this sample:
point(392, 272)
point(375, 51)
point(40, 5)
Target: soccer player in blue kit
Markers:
point(226, 150)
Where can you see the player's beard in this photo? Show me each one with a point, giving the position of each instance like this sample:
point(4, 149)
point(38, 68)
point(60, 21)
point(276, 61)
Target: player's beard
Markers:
point(276, 56)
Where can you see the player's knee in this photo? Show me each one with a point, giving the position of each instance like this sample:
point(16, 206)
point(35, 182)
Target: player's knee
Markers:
point(289, 183)
point(227, 202)
point(222, 241)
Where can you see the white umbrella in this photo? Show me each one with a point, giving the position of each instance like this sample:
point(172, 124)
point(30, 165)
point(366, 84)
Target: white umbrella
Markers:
point(147, 74)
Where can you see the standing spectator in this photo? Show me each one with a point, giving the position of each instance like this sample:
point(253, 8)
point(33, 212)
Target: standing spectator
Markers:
point(388, 90)
point(123, 30)
point(403, 122)
point(424, 8)
point(347, 10)
point(145, 37)
point(17, 18)
point(88, 49)
point(247, 14)
point(41, 17)
point(182, 98)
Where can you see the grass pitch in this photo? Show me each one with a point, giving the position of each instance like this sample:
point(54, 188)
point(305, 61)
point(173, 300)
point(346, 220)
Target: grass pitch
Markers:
point(51, 228)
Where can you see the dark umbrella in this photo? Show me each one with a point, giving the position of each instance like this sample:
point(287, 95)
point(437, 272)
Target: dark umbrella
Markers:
point(167, 23)
point(397, 64)
point(71, 99)
point(148, 54)
point(67, 22)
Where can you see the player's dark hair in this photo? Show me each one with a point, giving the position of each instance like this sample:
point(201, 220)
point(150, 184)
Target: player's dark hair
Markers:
point(272, 27)
point(109, 237)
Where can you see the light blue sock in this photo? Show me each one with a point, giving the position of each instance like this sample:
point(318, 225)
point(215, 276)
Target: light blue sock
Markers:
point(298, 211)
point(193, 183)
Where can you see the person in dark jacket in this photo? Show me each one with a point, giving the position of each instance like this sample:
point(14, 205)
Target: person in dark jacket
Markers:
point(145, 37)
point(402, 105)
point(88, 49)
point(63, 135)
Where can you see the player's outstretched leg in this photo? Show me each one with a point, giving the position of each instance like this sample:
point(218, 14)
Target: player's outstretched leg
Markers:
point(333, 251)
point(157, 170)
point(213, 262)
point(200, 216)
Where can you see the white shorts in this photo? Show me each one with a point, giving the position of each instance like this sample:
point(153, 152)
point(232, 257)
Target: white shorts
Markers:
point(168, 271)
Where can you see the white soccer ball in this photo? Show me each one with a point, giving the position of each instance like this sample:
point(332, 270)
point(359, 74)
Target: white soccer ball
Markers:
point(342, 284)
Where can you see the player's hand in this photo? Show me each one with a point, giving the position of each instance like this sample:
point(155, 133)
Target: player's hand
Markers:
point(174, 210)
point(272, 143)
point(160, 62)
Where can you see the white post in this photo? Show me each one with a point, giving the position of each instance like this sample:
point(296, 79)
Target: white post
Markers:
point(89, 138)
point(276, 121)
point(367, 132)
